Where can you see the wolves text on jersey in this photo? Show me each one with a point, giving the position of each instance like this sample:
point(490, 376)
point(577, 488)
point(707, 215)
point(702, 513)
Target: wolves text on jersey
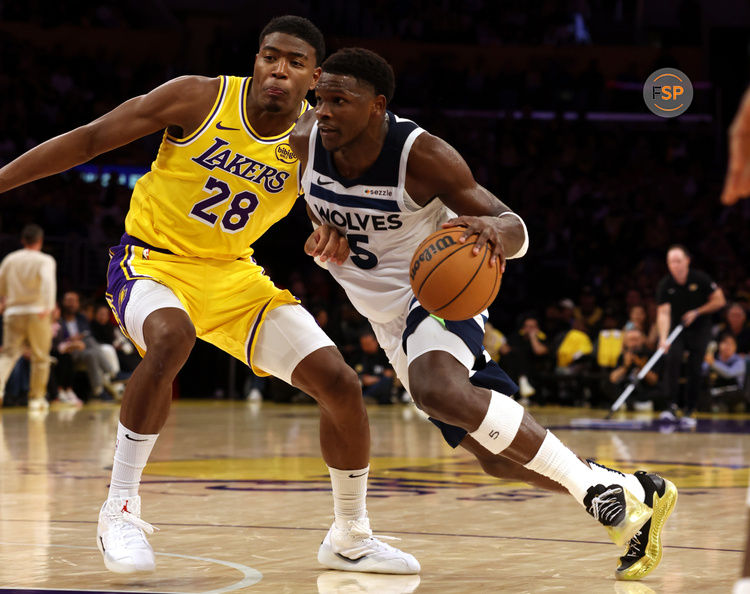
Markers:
point(238, 164)
point(355, 221)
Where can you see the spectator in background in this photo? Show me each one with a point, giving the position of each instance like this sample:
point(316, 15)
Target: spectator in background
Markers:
point(28, 287)
point(638, 318)
point(76, 339)
point(61, 377)
point(117, 347)
point(574, 361)
point(574, 349)
point(726, 372)
point(588, 312)
point(529, 358)
point(635, 354)
point(374, 370)
point(685, 296)
point(495, 342)
point(735, 323)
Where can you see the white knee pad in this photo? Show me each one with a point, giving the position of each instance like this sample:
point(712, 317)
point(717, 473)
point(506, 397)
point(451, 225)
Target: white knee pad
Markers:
point(288, 335)
point(146, 297)
point(500, 426)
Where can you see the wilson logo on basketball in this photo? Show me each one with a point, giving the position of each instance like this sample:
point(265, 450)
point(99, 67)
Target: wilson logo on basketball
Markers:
point(430, 251)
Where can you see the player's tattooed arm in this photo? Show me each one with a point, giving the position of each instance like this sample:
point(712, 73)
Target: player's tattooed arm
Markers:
point(436, 169)
point(183, 102)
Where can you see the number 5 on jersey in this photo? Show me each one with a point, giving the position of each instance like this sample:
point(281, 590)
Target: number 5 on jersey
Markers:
point(237, 215)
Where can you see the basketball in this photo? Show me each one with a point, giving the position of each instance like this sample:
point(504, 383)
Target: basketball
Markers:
point(449, 280)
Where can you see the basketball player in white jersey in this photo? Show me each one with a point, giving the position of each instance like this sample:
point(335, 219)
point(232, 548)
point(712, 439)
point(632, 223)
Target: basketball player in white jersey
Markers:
point(223, 175)
point(376, 185)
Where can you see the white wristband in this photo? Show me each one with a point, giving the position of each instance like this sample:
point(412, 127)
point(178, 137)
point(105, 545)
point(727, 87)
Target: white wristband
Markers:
point(525, 246)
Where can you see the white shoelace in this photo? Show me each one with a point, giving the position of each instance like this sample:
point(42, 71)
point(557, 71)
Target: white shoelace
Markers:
point(606, 506)
point(137, 522)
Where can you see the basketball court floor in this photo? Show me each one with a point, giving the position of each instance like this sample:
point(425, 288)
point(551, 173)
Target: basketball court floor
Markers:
point(242, 501)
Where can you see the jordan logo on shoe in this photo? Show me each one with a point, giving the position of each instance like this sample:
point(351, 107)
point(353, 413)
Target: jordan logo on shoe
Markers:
point(127, 436)
point(220, 127)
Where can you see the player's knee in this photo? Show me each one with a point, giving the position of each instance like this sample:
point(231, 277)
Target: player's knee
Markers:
point(171, 341)
point(436, 395)
point(339, 387)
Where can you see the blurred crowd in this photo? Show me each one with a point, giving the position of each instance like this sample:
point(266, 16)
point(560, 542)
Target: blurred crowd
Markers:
point(602, 199)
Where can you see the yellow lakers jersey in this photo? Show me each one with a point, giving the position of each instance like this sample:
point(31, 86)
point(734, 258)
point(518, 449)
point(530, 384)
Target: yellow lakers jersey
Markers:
point(213, 193)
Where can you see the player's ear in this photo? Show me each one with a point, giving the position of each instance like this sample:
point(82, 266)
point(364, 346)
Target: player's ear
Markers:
point(316, 75)
point(379, 105)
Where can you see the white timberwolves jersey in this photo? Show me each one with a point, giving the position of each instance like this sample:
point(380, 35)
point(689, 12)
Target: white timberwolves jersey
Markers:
point(381, 222)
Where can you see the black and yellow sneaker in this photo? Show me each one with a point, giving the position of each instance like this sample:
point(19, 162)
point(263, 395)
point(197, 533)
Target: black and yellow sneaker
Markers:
point(645, 548)
point(618, 510)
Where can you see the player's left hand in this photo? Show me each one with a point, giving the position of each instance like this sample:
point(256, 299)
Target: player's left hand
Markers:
point(328, 244)
point(488, 231)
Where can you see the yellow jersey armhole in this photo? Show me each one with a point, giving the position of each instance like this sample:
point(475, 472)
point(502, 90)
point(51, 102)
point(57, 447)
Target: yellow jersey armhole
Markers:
point(211, 114)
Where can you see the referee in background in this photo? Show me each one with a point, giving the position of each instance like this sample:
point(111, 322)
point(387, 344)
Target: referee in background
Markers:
point(685, 296)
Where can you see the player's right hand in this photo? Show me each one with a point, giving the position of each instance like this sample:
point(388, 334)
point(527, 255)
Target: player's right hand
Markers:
point(327, 244)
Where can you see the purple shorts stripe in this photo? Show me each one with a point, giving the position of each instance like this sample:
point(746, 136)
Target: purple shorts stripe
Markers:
point(256, 325)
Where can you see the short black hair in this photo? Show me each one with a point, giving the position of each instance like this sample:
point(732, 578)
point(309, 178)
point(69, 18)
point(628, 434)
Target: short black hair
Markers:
point(365, 66)
point(299, 27)
point(679, 246)
point(31, 233)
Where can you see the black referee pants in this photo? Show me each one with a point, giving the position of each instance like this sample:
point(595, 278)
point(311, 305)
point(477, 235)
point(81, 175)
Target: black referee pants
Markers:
point(694, 341)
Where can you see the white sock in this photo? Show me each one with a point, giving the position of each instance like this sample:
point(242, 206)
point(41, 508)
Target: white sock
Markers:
point(349, 493)
point(131, 454)
point(555, 461)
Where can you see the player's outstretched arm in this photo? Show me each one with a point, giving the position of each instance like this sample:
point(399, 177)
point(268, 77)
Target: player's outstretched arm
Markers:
point(182, 102)
point(435, 168)
point(737, 183)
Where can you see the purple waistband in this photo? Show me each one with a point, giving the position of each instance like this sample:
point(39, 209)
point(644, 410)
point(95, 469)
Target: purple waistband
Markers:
point(130, 240)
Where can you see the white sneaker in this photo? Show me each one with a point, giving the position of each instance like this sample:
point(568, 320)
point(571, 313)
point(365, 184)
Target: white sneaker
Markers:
point(120, 536)
point(255, 395)
point(356, 549)
point(38, 405)
point(69, 397)
point(525, 388)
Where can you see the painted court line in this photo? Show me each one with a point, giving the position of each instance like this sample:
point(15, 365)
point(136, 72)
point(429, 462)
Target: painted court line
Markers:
point(250, 576)
point(408, 532)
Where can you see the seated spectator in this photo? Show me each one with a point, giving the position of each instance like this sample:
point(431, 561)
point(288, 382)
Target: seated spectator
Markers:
point(726, 373)
point(735, 322)
point(635, 354)
point(61, 375)
point(374, 370)
point(588, 312)
point(495, 342)
point(638, 318)
point(116, 345)
point(575, 348)
point(76, 339)
point(528, 360)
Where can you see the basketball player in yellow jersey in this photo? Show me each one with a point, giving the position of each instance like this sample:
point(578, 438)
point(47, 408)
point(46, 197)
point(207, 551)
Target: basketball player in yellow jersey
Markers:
point(223, 175)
